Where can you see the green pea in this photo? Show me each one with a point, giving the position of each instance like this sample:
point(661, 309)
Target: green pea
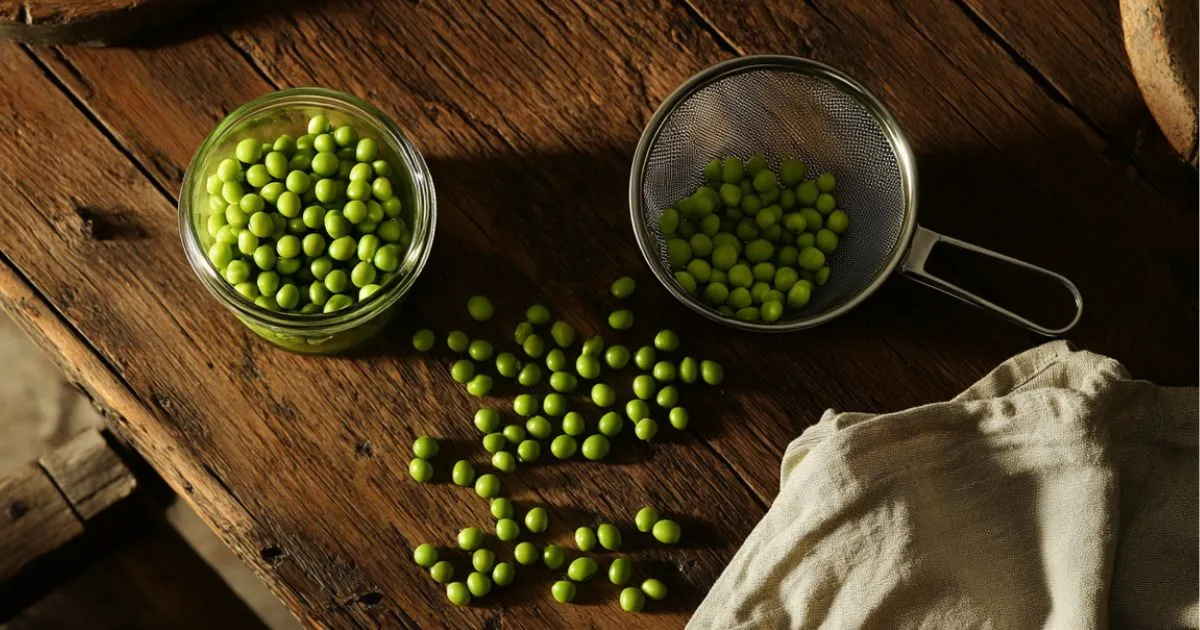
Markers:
point(610, 424)
point(364, 273)
point(337, 303)
point(525, 405)
point(603, 395)
point(553, 556)
point(458, 593)
point(478, 349)
point(390, 230)
point(643, 386)
point(666, 531)
point(582, 569)
point(573, 424)
point(731, 194)
point(636, 410)
point(358, 190)
point(529, 375)
point(522, 332)
point(420, 470)
point(229, 170)
point(537, 520)
point(679, 416)
point(470, 539)
point(366, 150)
point(711, 372)
point(825, 182)
point(480, 308)
point(336, 281)
point(623, 287)
point(825, 203)
point(739, 298)
point(645, 357)
point(554, 405)
point(585, 539)
point(441, 572)
point(747, 314)
point(457, 341)
point(381, 188)
point(668, 221)
point(237, 271)
point(425, 555)
point(645, 429)
point(220, 255)
point(478, 583)
point(487, 419)
point(564, 382)
point(664, 371)
point(556, 360)
point(387, 258)
point(503, 574)
point(679, 252)
point(837, 221)
point(501, 508)
point(463, 473)
point(806, 193)
point(267, 283)
point(822, 276)
point(317, 293)
point(367, 290)
point(488, 486)
point(812, 220)
point(654, 589)
point(562, 333)
point(533, 346)
point(563, 446)
point(504, 461)
point(526, 553)
point(288, 296)
point(327, 190)
point(632, 599)
point(667, 397)
point(462, 371)
point(616, 357)
point(731, 170)
point(480, 386)
point(587, 366)
point(646, 518)
point(529, 451)
point(538, 315)
point(493, 442)
point(563, 591)
point(425, 447)
point(507, 364)
point(593, 347)
point(382, 168)
point(792, 171)
point(620, 571)
point(595, 447)
point(483, 560)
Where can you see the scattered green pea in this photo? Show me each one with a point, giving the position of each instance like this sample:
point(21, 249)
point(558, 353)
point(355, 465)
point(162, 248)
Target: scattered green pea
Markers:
point(529, 375)
point(645, 429)
point(478, 349)
point(637, 409)
point(458, 593)
point(646, 518)
point(585, 538)
point(616, 357)
point(643, 386)
point(420, 470)
point(441, 572)
point(514, 434)
point(667, 397)
point(587, 366)
point(483, 560)
point(507, 364)
point(610, 424)
point(654, 589)
point(644, 358)
point(632, 599)
point(562, 333)
point(620, 320)
point(679, 418)
point(563, 591)
point(573, 424)
point(609, 536)
point(665, 371)
point(563, 382)
point(462, 371)
point(480, 308)
point(457, 341)
point(620, 571)
point(533, 346)
point(666, 531)
point(503, 574)
point(525, 404)
point(582, 569)
point(425, 447)
point(556, 360)
point(536, 520)
point(504, 462)
point(470, 538)
point(463, 473)
point(425, 555)
point(593, 347)
point(493, 442)
point(712, 372)
point(553, 556)
point(529, 451)
point(603, 395)
point(595, 447)
point(526, 553)
point(623, 287)
point(538, 315)
point(479, 584)
point(563, 447)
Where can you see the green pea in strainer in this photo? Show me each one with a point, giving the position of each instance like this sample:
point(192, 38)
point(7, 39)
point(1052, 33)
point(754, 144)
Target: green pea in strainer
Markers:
point(778, 106)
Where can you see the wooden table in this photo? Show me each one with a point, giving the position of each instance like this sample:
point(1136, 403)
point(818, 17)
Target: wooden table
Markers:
point(1031, 136)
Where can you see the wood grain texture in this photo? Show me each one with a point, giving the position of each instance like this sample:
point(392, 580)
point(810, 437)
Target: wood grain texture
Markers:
point(88, 473)
point(528, 115)
point(87, 22)
point(36, 519)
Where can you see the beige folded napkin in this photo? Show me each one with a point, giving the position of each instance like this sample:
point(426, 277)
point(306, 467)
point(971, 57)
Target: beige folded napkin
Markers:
point(1054, 493)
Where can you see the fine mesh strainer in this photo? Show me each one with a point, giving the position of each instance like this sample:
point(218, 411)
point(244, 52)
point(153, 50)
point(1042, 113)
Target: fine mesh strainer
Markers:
point(786, 106)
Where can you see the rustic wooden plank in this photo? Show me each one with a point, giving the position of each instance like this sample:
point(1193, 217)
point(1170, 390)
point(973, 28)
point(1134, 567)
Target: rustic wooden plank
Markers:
point(88, 22)
point(154, 580)
point(88, 473)
point(329, 573)
point(36, 519)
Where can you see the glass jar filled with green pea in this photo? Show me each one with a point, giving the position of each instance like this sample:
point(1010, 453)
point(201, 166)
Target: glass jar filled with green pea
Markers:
point(309, 214)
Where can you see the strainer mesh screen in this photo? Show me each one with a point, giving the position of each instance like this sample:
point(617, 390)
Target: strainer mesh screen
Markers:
point(778, 113)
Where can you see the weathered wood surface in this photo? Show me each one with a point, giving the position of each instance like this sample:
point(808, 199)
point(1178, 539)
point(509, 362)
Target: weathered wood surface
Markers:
point(48, 503)
point(87, 22)
point(528, 114)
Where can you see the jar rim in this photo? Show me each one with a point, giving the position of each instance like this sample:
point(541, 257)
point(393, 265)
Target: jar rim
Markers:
point(424, 212)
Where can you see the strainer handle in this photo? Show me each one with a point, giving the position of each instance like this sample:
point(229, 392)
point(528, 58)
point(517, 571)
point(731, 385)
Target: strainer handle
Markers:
point(922, 245)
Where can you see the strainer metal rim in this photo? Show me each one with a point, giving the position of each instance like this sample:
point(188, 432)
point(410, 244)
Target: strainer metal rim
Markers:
point(890, 127)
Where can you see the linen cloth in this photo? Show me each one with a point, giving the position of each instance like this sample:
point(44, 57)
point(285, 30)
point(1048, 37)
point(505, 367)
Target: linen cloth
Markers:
point(1056, 492)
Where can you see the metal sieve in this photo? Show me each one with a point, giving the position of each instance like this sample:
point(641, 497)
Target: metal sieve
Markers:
point(778, 106)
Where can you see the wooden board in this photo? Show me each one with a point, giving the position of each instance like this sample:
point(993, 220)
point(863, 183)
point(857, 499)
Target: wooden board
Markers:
point(528, 115)
point(87, 22)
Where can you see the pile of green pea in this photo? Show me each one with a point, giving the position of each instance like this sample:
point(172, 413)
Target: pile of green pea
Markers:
point(309, 224)
point(548, 422)
point(751, 242)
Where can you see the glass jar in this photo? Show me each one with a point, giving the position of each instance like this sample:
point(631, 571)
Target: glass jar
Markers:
point(288, 111)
